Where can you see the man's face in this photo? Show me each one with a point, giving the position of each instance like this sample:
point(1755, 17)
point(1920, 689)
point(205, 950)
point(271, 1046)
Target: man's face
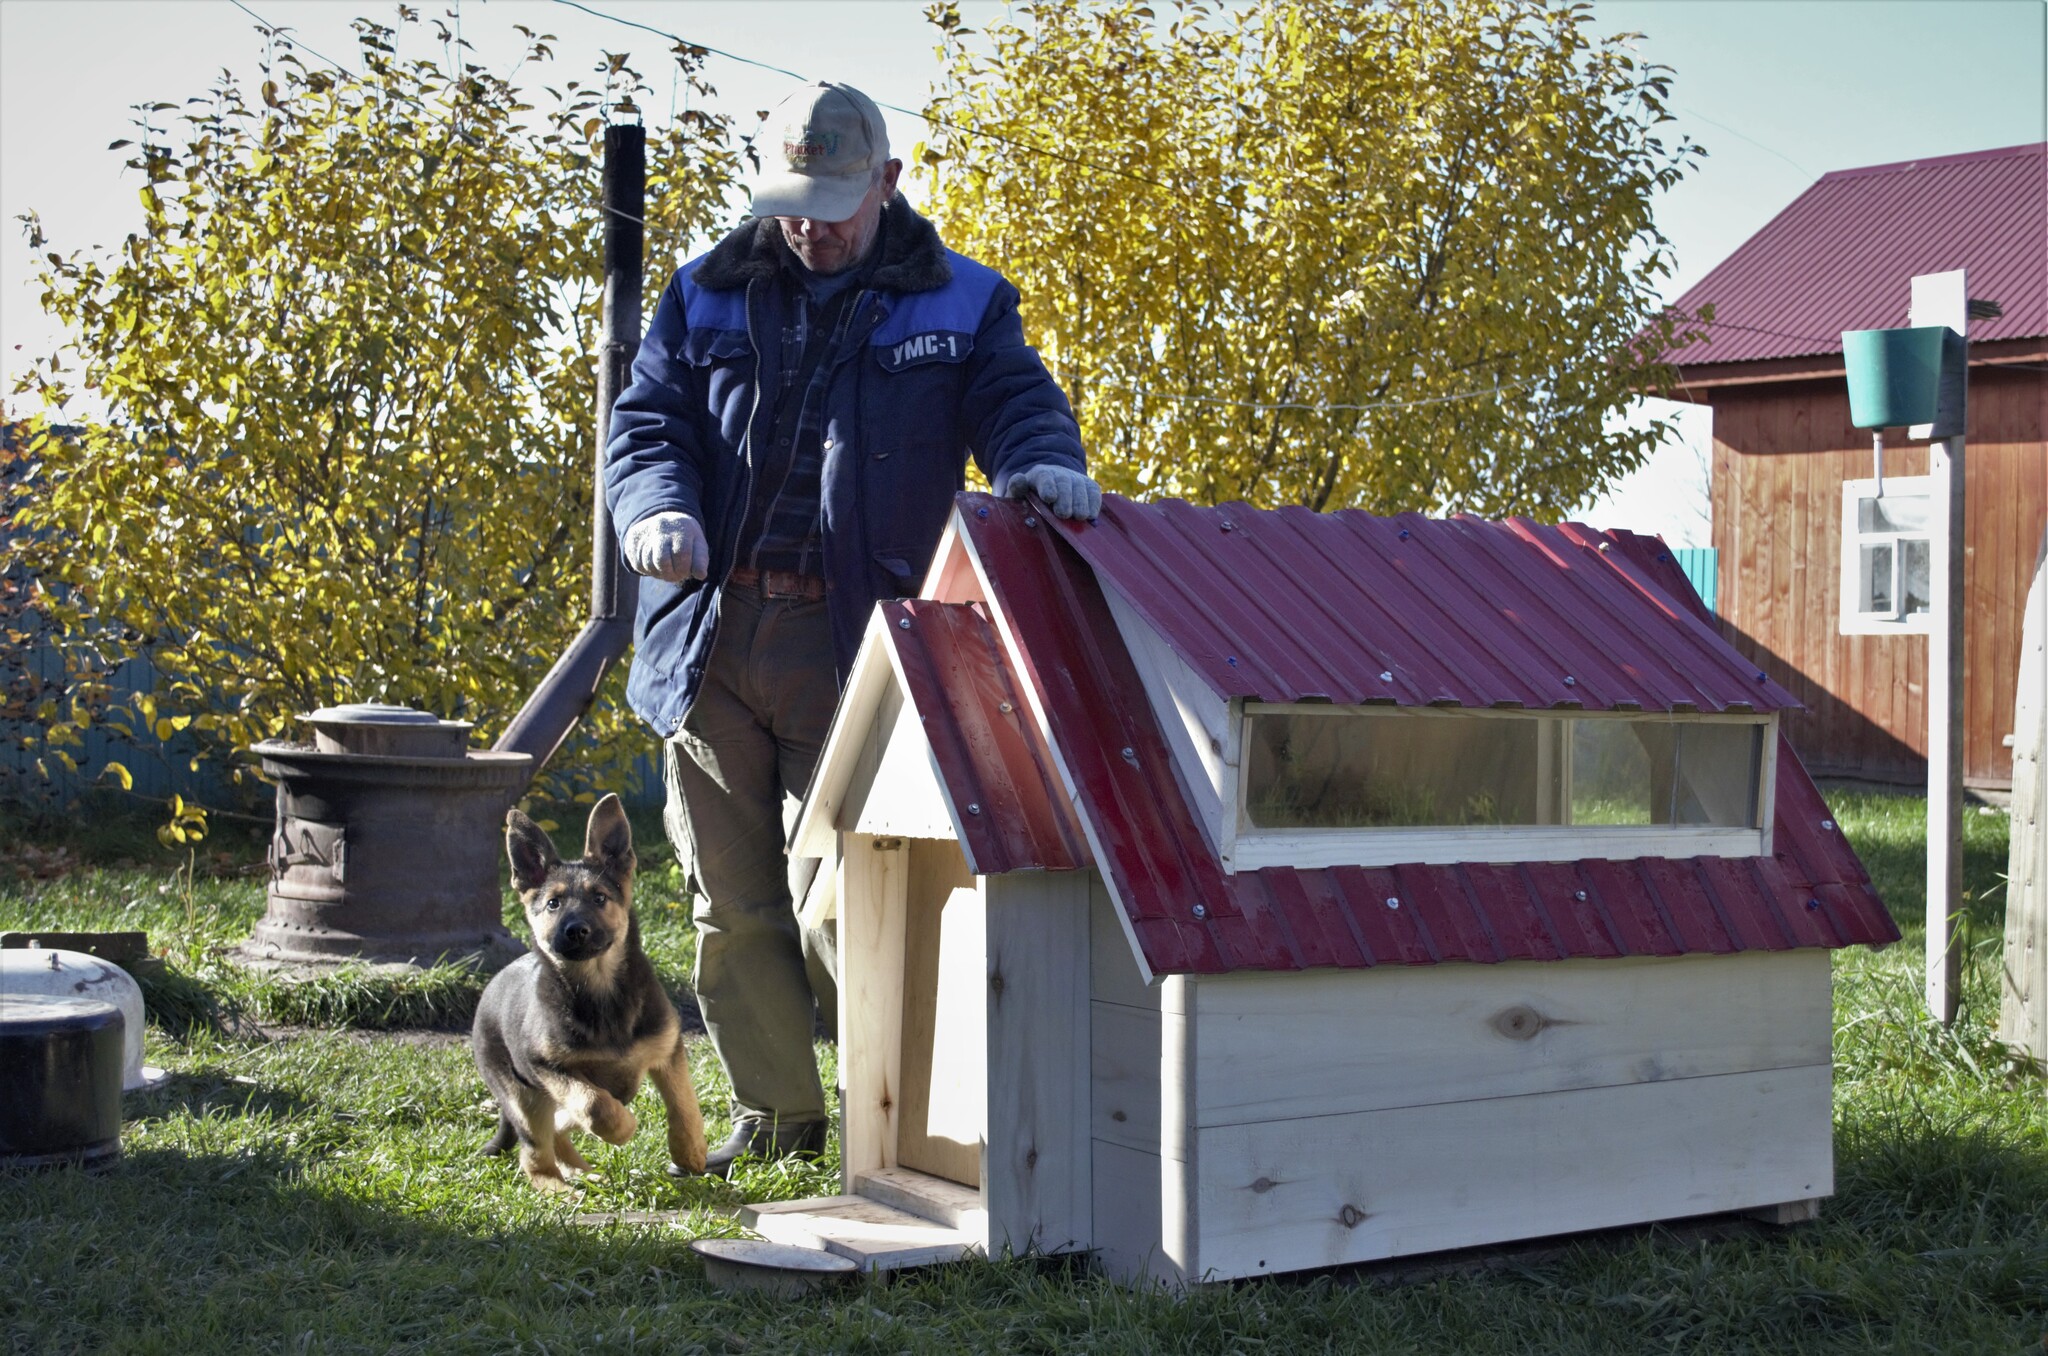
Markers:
point(828, 247)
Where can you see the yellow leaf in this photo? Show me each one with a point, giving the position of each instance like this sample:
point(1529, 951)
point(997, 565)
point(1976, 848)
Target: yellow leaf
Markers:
point(121, 775)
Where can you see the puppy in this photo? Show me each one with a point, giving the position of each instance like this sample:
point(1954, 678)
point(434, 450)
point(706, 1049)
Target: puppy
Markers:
point(564, 1034)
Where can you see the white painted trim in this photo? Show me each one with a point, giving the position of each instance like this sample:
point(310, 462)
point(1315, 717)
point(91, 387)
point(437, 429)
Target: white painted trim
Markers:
point(817, 822)
point(1312, 848)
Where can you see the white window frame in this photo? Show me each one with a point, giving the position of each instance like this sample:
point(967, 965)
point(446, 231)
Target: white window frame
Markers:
point(1246, 847)
point(1854, 622)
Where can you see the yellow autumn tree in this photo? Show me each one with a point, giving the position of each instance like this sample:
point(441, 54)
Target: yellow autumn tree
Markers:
point(338, 445)
point(1392, 256)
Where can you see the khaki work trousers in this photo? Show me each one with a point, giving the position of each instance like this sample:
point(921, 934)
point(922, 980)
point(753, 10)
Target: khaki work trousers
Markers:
point(736, 773)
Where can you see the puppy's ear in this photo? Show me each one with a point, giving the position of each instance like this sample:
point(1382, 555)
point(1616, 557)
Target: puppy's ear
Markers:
point(531, 851)
point(608, 841)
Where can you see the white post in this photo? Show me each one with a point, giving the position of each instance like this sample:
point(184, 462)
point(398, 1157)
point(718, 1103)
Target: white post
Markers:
point(1942, 299)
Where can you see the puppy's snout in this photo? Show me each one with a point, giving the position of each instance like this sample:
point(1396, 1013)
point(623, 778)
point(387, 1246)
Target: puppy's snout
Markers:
point(576, 934)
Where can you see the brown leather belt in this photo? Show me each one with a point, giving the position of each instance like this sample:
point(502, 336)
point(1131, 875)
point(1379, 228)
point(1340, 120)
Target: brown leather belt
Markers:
point(779, 583)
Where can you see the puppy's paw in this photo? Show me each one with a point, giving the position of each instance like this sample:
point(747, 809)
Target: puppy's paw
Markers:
point(686, 1156)
point(551, 1182)
point(613, 1121)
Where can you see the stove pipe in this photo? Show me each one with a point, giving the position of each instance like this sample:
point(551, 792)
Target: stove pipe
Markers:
point(571, 685)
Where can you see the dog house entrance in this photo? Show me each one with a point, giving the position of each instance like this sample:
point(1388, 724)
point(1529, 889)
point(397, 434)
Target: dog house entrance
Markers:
point(945, 1017)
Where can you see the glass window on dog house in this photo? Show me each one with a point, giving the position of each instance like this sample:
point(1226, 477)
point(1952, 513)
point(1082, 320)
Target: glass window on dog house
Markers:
point(1498, 785)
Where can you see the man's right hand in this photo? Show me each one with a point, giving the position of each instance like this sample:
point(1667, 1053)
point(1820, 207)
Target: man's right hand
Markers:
point(668, 546)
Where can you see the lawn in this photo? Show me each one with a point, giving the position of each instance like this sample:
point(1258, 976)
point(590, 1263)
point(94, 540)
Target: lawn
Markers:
point(308, 1182)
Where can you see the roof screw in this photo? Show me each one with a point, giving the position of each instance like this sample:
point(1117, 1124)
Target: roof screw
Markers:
point(1607, 546)
point(1031, 520)
point(1404, 534)
point(981, 513)
point(1393, 903)
point(973, 809)
point(1006, 708)
point(1812, 904)
point(1386, 675)
point(1579, 895)
point(1663, 555)
point(1201, 911)
point(1828, 824)
point(1130, 754)
point(1228, 525)
point(1570, 681)
point(1760, 675)
point(903, 623)
point(1230, 660)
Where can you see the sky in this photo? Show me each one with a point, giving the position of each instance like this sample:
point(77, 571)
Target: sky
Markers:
point(1778, 91)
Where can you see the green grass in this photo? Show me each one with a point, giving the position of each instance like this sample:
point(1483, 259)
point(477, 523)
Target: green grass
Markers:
point(317, 1189)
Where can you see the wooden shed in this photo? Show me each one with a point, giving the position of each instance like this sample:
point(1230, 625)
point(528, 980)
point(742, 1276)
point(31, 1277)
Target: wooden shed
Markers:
point(1226, 892)
point(1770, 365)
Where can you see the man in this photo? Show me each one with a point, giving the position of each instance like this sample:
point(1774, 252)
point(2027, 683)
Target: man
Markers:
point(798, 422)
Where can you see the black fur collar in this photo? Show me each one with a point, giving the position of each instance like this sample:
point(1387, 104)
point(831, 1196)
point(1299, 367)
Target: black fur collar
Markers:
point(913, 259)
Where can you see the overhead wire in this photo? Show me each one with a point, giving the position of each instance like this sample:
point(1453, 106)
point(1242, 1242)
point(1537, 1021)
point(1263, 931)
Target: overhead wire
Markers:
point(292, 41)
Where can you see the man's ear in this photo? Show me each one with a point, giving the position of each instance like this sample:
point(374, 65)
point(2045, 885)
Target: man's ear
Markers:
point(530, 850)
point(608, 840)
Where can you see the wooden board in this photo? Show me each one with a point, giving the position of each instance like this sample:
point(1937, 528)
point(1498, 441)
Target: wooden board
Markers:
point(1124, 1073)
point(1326, 1190)
point(874, 1236)
point(2023, 983)
point(1329, 1042)
point(944, 1066)
point(1036, 1173)
point(1124, 1185)
point(872, 881)
point(927, 1197)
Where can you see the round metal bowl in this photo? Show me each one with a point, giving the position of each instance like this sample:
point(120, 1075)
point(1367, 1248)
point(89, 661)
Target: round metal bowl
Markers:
point(734, 1264)
point(60, 1080)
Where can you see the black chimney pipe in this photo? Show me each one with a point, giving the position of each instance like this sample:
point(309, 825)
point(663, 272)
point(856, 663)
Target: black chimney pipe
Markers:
point(571, 685)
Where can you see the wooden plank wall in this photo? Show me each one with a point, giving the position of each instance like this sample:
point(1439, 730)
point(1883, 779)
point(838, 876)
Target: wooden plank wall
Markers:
point(1781, 453)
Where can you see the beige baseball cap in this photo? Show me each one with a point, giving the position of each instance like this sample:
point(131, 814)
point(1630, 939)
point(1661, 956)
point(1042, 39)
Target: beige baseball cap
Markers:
point(820, 148)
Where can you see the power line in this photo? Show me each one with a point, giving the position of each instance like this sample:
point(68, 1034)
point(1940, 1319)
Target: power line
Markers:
point(1032, 147)
point(274, 29)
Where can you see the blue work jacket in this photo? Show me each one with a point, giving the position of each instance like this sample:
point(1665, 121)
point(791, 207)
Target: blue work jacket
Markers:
point(942, 371)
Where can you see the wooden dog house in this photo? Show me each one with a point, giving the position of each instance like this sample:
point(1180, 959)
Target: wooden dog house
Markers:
point(1227, 892)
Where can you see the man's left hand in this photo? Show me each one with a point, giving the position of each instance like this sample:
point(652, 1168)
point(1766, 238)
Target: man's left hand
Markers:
point(1069, 494)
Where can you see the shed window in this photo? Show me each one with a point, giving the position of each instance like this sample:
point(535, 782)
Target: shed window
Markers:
point(1328, 785)
point(1887, 555)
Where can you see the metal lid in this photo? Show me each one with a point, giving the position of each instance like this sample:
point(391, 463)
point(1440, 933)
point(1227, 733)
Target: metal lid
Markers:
point(372, 713)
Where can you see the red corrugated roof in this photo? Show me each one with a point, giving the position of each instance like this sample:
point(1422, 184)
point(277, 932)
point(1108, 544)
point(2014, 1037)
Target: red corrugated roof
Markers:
point(1161, 870)
point(1841, 256)
point(997, 770)
point(1290, 605)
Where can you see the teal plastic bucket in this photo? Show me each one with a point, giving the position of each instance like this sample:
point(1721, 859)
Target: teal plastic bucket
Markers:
point(1894, 375)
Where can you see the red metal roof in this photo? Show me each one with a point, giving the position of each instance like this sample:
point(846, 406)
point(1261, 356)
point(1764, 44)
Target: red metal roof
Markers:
point(1841, 255)
point(997, 770)
point(1161, 870)
point(1290, 605)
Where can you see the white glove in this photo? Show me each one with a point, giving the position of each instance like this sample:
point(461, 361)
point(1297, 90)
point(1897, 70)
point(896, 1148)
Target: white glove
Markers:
point(668, 546)
point(1069, 494)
